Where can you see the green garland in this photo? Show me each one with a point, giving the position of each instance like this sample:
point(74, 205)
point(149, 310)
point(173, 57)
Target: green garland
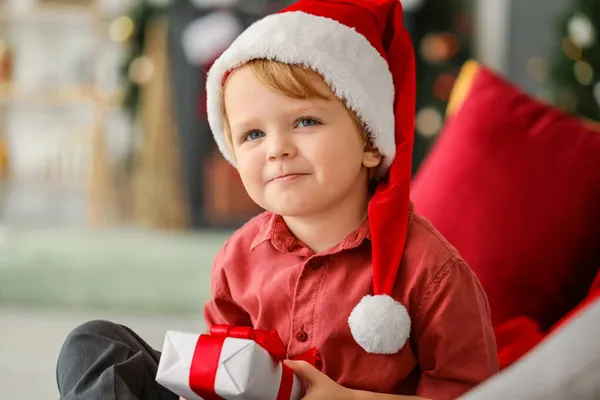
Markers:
point(574, 91)
point(141, 15)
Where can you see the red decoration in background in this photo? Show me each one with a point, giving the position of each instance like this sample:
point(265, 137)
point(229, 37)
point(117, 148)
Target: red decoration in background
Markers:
point(443, 85)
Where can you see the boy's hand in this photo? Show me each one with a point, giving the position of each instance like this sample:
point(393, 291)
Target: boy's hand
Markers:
point(319, 385)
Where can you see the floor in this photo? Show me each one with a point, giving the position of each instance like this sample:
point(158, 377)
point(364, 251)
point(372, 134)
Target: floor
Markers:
point(30, 339)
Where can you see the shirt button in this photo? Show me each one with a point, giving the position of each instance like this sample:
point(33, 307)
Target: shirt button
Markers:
point(301, 336)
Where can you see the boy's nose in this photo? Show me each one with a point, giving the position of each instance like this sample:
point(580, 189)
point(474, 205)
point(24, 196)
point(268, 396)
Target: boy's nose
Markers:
point(280, 146)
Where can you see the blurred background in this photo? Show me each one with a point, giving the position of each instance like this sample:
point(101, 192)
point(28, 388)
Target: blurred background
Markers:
point(113, 197)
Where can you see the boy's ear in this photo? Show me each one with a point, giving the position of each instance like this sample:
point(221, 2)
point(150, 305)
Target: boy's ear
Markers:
point(371, 158)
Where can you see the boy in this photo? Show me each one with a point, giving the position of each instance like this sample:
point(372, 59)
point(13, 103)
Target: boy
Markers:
point(315, 106)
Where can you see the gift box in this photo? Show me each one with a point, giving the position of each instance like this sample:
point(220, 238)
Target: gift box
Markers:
point(230, 363)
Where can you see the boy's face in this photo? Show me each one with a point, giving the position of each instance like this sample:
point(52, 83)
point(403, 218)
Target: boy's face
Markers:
point(296, 158)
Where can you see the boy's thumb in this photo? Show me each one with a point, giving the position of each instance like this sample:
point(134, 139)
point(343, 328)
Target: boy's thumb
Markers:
point(306, 372)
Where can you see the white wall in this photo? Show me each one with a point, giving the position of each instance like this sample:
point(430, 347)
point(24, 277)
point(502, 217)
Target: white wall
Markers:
point(511, 32)
point(492, 27)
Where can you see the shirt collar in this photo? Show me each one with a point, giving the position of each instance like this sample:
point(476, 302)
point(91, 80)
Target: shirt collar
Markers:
point(277, 232)
point(266, 232)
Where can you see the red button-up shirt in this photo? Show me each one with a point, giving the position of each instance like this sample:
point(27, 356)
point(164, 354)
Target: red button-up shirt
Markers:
point(265, 278)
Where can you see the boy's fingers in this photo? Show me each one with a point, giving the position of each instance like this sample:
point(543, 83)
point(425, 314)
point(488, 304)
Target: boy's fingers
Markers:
point(306, 372)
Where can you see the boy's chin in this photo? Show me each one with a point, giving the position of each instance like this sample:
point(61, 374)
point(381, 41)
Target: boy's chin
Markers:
point(291, 209)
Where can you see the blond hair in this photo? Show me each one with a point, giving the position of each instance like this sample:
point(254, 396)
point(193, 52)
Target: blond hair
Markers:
point(290, 80)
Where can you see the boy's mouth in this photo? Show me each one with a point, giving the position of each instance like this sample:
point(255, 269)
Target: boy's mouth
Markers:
point(287, 177)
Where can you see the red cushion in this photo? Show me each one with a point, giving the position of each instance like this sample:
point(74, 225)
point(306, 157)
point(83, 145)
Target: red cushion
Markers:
point(515, 338)
point(592, 297)
point(515, 185)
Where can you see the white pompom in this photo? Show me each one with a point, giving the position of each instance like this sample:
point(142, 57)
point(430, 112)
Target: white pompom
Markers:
point(380, 324)
point(204, 39)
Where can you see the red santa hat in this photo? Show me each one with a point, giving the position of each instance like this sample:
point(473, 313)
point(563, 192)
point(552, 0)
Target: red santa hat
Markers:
point(365, 55)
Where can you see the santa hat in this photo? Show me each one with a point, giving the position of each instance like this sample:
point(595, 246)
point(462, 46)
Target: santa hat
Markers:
point(365, 55)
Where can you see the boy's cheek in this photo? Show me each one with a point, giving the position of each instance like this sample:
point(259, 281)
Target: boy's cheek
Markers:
point(251, 177)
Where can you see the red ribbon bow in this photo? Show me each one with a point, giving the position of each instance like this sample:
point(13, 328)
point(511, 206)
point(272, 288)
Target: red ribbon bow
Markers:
point(205, 362)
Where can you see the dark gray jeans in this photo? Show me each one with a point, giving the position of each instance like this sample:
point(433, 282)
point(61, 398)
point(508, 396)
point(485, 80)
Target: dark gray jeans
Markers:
point(101, 360)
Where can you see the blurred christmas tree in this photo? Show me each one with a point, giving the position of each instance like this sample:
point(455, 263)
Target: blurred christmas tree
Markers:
point(442, 32)
point(137, 68)
point(575, 73)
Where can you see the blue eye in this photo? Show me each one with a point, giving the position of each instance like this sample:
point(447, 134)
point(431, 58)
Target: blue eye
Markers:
point(306, 122)
point(253, 135)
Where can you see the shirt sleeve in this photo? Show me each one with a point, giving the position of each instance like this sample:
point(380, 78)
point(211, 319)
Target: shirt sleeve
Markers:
point(456, 347)
point(221, 308)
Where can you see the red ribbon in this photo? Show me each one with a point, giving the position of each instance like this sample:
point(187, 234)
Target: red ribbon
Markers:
point(203, 370)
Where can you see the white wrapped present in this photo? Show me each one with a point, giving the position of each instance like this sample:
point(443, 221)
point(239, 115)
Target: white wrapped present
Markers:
point(231, 363)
